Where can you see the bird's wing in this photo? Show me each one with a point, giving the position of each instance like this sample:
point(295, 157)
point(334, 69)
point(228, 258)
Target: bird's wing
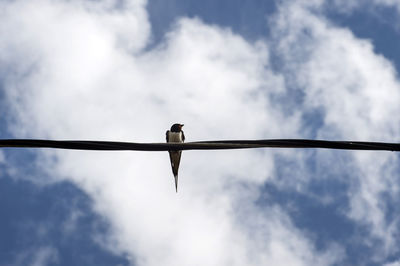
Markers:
point(183, 136)
point(167, 135)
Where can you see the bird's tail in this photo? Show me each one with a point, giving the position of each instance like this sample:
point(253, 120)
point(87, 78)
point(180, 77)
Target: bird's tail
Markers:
point(175, 157)
point(176, 183)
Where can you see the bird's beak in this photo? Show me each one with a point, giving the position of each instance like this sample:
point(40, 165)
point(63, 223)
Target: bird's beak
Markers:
point(182, 125)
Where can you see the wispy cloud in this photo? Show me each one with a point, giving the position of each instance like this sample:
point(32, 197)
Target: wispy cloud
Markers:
point(39, 256)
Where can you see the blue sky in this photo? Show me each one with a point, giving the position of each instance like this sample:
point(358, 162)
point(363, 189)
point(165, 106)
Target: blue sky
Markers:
point(127, 70)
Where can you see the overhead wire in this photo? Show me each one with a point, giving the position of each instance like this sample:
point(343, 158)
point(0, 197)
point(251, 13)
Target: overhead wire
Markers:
point(198, 145)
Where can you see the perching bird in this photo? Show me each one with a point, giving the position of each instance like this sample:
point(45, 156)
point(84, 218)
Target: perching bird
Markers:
point(175, 135)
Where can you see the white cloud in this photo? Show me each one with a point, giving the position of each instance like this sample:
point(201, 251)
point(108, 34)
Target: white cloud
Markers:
point(358, 95)
point(80, 71)
point(79, 79)
point(372, 6)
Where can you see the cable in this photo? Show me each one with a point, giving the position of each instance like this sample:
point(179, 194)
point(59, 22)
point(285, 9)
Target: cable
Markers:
point(200, 145)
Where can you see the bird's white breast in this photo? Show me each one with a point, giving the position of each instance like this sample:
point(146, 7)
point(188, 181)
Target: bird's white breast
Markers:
point(175, 137)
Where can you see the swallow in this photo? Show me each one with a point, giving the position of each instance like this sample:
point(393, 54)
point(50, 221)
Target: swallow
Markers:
point(175, 134)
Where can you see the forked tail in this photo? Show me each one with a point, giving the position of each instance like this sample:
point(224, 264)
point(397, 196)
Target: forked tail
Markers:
point(175, 157)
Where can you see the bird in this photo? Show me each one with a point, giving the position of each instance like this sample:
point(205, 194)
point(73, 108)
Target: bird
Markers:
point(175, 134)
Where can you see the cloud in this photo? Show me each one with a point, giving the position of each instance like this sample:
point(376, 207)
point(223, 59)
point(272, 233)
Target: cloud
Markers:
point(82, 70)
point(81, 79)
point(396, 263)
point(384, 11)
point(357, 93)
point(44, 256)
point(40, 256)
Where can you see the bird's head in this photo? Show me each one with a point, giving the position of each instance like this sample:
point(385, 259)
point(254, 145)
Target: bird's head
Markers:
point(176, 127)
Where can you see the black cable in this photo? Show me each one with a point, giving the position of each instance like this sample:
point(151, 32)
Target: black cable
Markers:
point(200, 145)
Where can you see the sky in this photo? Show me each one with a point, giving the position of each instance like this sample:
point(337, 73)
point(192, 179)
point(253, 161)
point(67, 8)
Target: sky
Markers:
point(123, 70)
